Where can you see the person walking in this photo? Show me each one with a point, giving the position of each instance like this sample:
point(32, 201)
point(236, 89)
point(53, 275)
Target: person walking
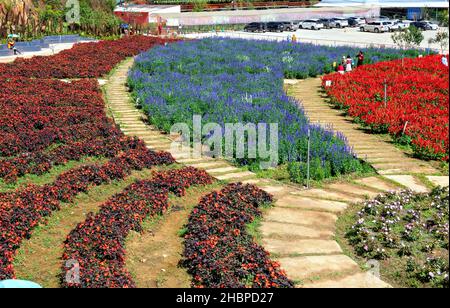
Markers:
point(341, 69)
point(12, 46)
point(348, 64)
point(444, 60)
point(360, 57)
point(294, 39)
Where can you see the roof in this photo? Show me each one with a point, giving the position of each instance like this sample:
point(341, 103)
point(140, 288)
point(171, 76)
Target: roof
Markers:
point(139, 8)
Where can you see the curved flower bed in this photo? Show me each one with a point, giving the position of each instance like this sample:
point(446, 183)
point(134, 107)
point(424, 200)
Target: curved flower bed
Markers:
point(23, 210)
point(98, 244)
point(241, 83)
point(417, 106)
point(408, 232)
point(84, 60)
point(219, 253)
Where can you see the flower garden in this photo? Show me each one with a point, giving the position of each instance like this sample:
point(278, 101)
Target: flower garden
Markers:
point(417, 104)
point(408, 233)
point(53, 115)
point(244, 83)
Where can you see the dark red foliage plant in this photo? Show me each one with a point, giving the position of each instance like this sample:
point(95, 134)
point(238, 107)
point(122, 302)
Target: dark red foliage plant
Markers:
point(219, 253)
point(97, 246)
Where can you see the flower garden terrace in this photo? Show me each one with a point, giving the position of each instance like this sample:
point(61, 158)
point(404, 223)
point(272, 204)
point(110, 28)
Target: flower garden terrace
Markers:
point(62, 156)
point(230, 80)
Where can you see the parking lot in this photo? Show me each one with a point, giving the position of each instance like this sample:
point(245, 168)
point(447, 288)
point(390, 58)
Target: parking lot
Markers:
point(347, 36)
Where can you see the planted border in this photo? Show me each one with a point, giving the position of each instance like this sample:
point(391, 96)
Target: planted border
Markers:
point(219, 253)
point(98, 244)
point(417, 106)
point(23, 210)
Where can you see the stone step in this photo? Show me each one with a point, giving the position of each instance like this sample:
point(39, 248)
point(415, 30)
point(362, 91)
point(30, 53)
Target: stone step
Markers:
point(327, 194)
point(359, 280)
point(314, 219)
point(297, 202)
point(215, 164)
point(442, 181)
point(408, 181)
point(352, 189)
point(311, 267)
point(292, 247)
point(217, 171)
point(377, 183)
point(271, 229)
point(235, 176)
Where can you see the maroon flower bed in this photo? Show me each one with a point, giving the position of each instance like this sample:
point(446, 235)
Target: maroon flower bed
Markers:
point(22, 210)
point(84, 60)
point(219, 253)
point(39, 113)
point(97, 245)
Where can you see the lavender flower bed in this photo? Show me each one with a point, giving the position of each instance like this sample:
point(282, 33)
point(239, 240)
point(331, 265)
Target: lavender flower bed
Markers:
point(408, 233)
point(230, 81)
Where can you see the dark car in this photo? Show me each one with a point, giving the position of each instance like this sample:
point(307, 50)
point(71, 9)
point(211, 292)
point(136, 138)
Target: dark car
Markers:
point(326, 22)
point(256, 27)
point(422, 25)
point(275, 26)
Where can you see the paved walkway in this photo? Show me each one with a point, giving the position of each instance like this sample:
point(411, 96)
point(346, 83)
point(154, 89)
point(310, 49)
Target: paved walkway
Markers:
point(299, 231)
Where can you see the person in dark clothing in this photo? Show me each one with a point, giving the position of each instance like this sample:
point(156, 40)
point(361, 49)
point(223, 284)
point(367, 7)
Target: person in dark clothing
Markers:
point(360, 58)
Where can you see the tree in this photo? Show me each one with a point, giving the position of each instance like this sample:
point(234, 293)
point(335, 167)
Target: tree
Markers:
point(441, 39)
point(410, 38)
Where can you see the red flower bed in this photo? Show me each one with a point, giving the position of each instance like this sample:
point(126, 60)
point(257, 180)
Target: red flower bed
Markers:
point(98, 244)
point(81, 61)
point(22, 210)
point(219, 253)
point(417, 104)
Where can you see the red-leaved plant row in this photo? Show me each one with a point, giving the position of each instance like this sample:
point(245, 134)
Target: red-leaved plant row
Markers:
point(219, 253)
point(38, 113)
point(417, 101)
point(94, 252)
point(22, 210)
point(84, 60)
point(48, 122)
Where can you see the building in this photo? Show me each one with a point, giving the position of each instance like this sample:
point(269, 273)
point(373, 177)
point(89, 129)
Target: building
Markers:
point(135, 14)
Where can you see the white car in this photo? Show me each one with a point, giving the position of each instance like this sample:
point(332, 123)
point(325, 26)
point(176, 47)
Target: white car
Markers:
point(403, 24)
point(311, 24)
point(432, 25)
point(392, 25)
point(338, 23)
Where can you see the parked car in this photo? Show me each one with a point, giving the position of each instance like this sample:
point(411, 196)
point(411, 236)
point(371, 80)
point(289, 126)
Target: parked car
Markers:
point(311, 24)
point(356, 21)
point(256, 27)
point(375, 26)
point(275, 27)
point(424, 25)
point(392, 25)
point(326, 22)
point(431, 25)
point(402, 25)
point(290, 26)
point(338, 23)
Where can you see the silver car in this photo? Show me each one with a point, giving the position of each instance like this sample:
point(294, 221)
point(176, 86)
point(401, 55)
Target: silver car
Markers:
point(375, 26)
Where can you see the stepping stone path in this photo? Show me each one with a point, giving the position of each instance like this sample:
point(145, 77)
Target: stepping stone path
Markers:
point(299, 231)
point(382, 155)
